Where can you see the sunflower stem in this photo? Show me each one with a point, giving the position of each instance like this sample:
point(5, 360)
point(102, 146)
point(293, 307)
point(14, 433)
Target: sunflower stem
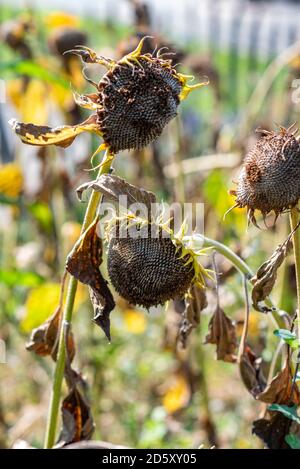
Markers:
point(90, 213)
point(294, 221)
point(204, 242)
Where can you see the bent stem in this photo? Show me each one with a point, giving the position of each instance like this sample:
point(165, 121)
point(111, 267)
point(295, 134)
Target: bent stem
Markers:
point(67, 317)
point(294, 220)
point(280, 318)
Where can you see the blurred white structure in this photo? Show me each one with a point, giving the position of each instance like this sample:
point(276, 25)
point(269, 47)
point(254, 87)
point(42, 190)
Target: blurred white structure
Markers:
point(185, 20)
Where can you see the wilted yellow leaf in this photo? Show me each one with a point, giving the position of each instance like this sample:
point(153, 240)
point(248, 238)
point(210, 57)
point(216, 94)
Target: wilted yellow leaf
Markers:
point(177, 394)
point(135, 321)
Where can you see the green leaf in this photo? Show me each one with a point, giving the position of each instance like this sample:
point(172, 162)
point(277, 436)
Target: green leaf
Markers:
point(42, 214)
point(22, 278)
point(293, 441)
point(8, 200)
point(288, 337)
point(289, 412)
point(33, 70)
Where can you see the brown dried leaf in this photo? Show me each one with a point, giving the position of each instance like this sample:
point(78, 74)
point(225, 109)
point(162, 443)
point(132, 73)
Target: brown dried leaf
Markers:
point(279, 391)
point(84, 264)
point(265, 278)
point(61, 136)
point(103, 303)
point(222, 333)
point(273, 431)
point(113, 187)
point(44, 339)
point(77, 421)
point(194, 304)
point(251, 373)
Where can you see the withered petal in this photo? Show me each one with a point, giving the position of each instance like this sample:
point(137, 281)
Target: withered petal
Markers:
point(61, 136)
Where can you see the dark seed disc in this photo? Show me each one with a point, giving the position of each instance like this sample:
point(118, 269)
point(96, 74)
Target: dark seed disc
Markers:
point(138, 102)
point(148, 271)
point(270, 177)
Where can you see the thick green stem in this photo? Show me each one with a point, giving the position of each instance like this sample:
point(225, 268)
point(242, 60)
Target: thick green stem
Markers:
point(294, 220)
point(241, 265)
point(67, 318)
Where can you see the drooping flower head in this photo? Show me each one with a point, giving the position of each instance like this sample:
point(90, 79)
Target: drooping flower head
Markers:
point(133, 102)
point(270, 176)
point(150, 258)
point(150, 270)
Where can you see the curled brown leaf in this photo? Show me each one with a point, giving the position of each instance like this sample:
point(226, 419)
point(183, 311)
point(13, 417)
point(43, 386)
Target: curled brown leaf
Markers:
point(281, 389)
point(265, 278)
point(273, 430)
point(84, 264)
point(77, 421)
point(44, 339)
point(251, 372)
point(195, 302)
point(113, 187)
point(222, 333)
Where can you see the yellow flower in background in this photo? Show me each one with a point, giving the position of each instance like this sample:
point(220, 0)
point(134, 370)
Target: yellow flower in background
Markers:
point(254, 325)
point(43, 300)
point(75, 74)
point(63, 97)
point(71, 231)
point(32, 104)
point(56, 19)
point(29, 102)
point(135, 321)
point(14, 91)
point(11, 180)
point(177, 394)
point(295, 62)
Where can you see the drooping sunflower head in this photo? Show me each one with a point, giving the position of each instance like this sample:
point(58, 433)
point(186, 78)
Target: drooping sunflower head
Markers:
point(150, 270)
point(65, 38)
point(270, 176)
point(133, 101)
point(136, 108)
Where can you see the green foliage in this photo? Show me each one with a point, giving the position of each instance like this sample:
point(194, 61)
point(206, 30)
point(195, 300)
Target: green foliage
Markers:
point(289, 412)
point(288, 337)
point(42, 213)
point(32, 70)
point(293, 441)
point(13, 278)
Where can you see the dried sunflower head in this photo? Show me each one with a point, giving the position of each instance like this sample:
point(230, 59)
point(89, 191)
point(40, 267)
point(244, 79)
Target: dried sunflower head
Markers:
point(270, 176)
point(133, 102)
point(148, 270)
point(65, 38)
point(14, 32)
